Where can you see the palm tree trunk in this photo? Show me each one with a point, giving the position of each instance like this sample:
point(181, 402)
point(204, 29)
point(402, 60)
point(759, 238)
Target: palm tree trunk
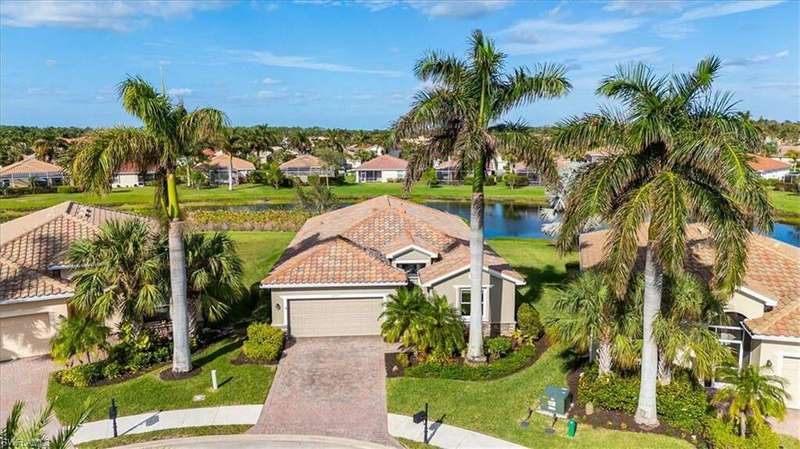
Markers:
point(664, 369)
point(188, 175)
point(181, 354)
point(230, 172)
point(604, 358)
point(742, 424)
point(646, 412)
point(475, 349)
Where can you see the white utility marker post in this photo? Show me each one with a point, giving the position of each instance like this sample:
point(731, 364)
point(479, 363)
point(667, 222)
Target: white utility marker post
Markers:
point(214, 379)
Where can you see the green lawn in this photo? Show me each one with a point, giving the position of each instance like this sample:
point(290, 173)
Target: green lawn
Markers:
point(239, 384)
point(259, 250)
point(496, 407)
point(787, 205)
point(788, 442)
point(141, 198)
point(184, 432)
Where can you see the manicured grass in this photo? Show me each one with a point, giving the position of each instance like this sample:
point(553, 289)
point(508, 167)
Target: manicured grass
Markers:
point(165, 434)
point(259, 250)
point(411, 444)
point(496, 407)
point(789, 442)
point(239, 384)
point(141, 198)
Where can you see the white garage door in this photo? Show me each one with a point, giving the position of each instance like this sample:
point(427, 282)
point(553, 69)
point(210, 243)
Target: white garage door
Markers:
point(25, 336)
point(334, 317)
point(790, 370)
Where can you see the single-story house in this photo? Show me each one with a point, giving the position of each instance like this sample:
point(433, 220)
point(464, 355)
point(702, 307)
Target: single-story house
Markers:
point(448, 172)
point(219, 163)
point(130, 175)
point(340, 268)
point(21, 172)
point(769, 168)
point(304, 166)
point(382, 169)
point(764, 311)
point(34, 275)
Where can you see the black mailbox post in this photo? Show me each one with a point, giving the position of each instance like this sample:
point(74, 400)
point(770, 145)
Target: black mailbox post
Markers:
point(420, 417)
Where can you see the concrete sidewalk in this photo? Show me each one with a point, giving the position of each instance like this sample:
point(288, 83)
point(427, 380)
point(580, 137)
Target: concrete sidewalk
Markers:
point(170, 419)
point(441, 435)
point(445, 436)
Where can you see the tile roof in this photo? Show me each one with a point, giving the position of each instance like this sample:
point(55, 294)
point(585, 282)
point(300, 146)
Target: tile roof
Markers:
point(458, 260)
point(765, 164)
point(385, 162)
point(30, 246)
point(376, 227)
point(30, 165)
point(773, 270)
point(221, 161)
point(304, 161)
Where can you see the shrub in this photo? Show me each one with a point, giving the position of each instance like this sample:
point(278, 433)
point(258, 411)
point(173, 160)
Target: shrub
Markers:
point(513, 180)
point(264, 342)
point(81, 375)
point(402, 359)
point(724, 435)
point(505, 366)
point(111, 370)
point(498, 346)
point(683, 403)
point(429, 177)
point(68, 189)
point(528, 322)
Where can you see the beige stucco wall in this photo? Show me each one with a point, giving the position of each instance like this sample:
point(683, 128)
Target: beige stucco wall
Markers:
point(126, 180)
point(411, 256)
point(501, 295)
point(745, 305)
point(281, 296)
point(775, 352)
point(55, 309)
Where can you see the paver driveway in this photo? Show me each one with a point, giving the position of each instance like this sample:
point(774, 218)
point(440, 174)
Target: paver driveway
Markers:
point(25, 380)
point(330, 386)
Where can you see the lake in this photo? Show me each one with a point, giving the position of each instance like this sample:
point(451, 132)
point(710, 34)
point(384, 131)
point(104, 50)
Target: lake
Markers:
point(520, 220)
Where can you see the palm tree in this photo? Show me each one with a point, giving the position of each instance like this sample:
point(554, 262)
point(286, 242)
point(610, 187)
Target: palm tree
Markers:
point(232, 145)
point(78, 334)
point(588, 311)
point(273, 175)
point(215, 274)
point(467, 97)
point(170, 132)
point(34, 435)
point(317, 199)
point(403, 317)
point(678, 153)
point(122, 272)
point(47, 148)
point(300, 141)
point(751, 394)
point(443, 329)
point(681, 328)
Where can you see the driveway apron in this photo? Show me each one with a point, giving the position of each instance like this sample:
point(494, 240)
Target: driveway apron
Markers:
point(329, 386)
point(26, 380)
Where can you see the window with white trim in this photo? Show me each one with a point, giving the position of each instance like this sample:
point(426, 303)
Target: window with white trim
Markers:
point(465, 302)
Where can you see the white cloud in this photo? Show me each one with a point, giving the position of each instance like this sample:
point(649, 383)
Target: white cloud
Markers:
point(467, 9)
point(641, 7)
point(303, 62)
point(550, 35)
point(269, 81)
point(758, 59)
point(50, 62)
point(121, 15)
point(271, 94)
point(719, 9)
point(180, 92)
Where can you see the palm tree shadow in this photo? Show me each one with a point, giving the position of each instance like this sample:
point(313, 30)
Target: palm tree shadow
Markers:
point(206, 358)
point(537, 278)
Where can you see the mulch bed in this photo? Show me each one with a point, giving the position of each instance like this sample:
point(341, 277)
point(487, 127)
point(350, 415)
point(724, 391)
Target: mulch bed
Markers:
point(128, 376)
point(168, 375)
point(395, 370)
point(617, 420)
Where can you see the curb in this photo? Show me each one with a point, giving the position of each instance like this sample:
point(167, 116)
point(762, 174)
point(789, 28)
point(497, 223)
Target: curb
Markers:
point(301, 441)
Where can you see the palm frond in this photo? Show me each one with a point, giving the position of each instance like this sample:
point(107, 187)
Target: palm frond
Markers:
point(523, 87)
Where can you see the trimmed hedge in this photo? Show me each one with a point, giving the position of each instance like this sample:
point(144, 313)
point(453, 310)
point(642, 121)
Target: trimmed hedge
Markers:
point(264, 342)
point(724, 435)
point(528, 322)
point(505, 366)
point(498, 346)
point(683, 403)
point(264, 220)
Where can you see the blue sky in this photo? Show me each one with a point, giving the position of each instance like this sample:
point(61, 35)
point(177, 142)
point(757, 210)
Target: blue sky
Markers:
point(349, 64)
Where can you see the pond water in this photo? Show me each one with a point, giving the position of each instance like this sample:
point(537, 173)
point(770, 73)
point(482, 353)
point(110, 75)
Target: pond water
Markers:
point(520, 220)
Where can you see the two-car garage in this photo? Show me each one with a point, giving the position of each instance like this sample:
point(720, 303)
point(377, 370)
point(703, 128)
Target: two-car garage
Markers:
point(334, 317)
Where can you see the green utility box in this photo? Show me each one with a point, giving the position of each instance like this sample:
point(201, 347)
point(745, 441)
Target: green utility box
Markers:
point(555, 400)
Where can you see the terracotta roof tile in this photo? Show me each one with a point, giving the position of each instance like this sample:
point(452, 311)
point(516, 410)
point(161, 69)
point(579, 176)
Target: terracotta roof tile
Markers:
point(221, 161)
point(384, 162)
point(773, 270)
point(30, 165)
point(304, 161)
point(765, 164)
point(458, 259)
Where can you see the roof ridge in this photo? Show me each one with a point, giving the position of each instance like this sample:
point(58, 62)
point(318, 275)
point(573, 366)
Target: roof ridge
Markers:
point(41, 225)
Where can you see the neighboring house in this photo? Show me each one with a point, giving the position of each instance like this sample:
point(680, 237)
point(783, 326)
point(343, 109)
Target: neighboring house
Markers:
point(448, 172)
point(34, 275)
point(304, 166)
point(219, 163)
point(341, 267)
point(130, 175)
point(769, 168)
point(382, 169)
point(764, 311)
point(20, 173)
point(564, 167)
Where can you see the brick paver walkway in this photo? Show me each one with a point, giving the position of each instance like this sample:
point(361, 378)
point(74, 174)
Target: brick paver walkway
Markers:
point(330, 386)
point(25, 380)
